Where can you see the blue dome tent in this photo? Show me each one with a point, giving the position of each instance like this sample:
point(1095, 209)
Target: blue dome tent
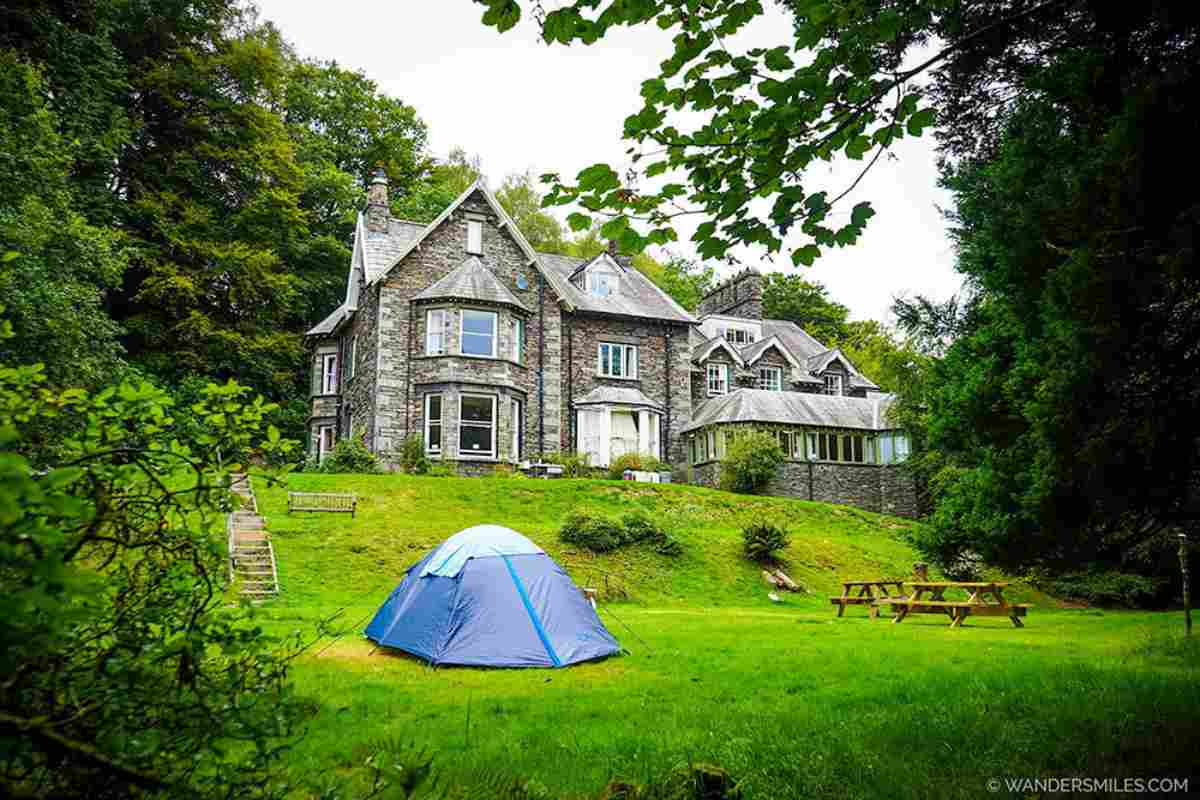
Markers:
point(489, 597)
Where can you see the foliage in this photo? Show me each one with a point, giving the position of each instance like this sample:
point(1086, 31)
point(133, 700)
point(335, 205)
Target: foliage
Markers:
point(752, 124)
point(1067, 377)
point(574, 464)
point(191, 190)
point(1107, 588)
point(519, 196)
point(127, 671)
point(412, 458)
point(635, 461)
point(350, 454)
point(762, 542)
point(751, 459)
point(685, 280)
point(602, 535)
point(805, 303)
point(59, 266)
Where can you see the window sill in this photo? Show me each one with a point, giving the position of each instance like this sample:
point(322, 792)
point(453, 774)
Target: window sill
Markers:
point(466, 457)
point(617, 378)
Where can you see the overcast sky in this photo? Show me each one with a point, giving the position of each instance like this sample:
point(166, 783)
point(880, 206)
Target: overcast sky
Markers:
point(519, 104)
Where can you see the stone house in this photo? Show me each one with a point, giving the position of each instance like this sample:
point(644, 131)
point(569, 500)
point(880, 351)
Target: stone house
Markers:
point(496, 354)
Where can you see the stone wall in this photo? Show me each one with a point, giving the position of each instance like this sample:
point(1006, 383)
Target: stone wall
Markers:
point(581, 367)
point(871, 487)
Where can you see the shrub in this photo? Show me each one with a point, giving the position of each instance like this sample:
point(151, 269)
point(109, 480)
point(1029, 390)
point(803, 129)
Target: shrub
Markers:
point(634, 461)
point(751, 459)
point(601, 535)
point(442, 471)
point(575, 465)
point(350, 455)
point(412, 458)
point(593, 533)
point(763, 541)
point(966, 566)
point(1106, 588)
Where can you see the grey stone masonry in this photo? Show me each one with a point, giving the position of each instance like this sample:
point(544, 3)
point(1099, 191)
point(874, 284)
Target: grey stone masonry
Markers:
point(406, 372)
point(740, 296)
point(658, 377)
point(883, 489)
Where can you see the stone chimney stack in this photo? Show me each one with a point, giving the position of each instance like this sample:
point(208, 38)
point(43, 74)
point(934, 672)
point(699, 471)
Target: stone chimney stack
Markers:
point(378, 209)
point(740, 296)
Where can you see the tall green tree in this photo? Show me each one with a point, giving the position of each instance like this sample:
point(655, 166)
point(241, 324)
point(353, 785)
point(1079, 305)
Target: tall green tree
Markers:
point(519, 196)
point(806, 303)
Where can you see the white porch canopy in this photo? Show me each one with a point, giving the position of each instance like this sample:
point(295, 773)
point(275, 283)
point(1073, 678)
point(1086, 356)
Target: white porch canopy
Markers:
point(615, 420)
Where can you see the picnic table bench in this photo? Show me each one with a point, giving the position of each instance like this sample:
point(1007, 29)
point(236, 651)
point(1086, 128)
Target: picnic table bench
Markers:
point(868, 593)
point(322, 501)
point(985, 598)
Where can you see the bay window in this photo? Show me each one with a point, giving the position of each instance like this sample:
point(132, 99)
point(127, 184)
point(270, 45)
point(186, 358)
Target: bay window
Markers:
point(329, 373)
point(433, 423)
point(718, 379)
point(518, 429)
point(617, 360)
point(437, 323)
point(478, 333)
point(477, 426)
point(519, 340)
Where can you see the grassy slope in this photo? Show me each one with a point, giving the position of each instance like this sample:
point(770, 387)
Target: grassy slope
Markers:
point(793, 701)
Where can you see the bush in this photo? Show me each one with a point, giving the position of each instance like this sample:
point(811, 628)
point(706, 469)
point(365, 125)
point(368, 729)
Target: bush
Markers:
point(350, 455)
point(575, 465)
point(763, 542)
point(634, 461)
point(751, 459)
point(1106, 588)
point(601, 535)
point(412, 458)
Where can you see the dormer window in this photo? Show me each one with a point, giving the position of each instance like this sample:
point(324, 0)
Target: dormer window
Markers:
point(833, 384)
point(602, 282)
point(475, 237)
point(739, 336)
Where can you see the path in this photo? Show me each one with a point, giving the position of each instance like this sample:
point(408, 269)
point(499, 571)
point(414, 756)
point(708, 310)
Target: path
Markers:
point(251, 556)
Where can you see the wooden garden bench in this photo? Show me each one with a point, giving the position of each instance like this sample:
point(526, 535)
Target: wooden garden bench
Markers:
point(986, 599)
point(321, 501)
point(868, 593)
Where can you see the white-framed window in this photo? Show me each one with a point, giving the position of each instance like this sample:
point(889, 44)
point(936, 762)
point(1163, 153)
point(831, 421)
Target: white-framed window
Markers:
point(519, 340)
point(738, 335)
point(785, 441)
point(325, 441)
point(478, 333)
point(437, 324)
point(798, 446)
point(616, 360)
point(518, 428)
point(329, 373)
point(769, 378)
point(352, 359)
point(602, 282)
point(477, 426)
point(433, 423)
point(718, 379)
point(475, 237)
point(833, 384)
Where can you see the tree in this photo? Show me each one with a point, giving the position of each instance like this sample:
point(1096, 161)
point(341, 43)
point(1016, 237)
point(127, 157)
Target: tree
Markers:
point(57, 266)
point(440, 184)
point(685, 280)
point(520, 198)
point(127, 671)
point(806, 303)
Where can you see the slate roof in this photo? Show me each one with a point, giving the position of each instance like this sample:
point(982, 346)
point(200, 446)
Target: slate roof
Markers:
point(381, 249)
point(637, 296)
point(471, 281)
point(751, 352)
point(616, 395)
point(794, 408)
point(330, 323)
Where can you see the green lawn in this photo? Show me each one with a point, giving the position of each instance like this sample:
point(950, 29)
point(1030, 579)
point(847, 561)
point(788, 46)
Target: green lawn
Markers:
point(790, 700)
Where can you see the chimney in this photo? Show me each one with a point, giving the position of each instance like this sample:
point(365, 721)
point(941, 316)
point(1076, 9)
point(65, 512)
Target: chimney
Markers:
point(378, 209)
point(612, 248)
point(740, 296)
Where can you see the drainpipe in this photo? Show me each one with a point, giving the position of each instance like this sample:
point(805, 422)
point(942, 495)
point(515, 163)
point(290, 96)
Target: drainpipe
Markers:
point(541, 366)
point(407, 369)
point(570, 382)
point(666, 434)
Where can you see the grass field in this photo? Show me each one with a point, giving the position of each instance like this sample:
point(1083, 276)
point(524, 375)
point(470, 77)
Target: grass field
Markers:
point(791, 701)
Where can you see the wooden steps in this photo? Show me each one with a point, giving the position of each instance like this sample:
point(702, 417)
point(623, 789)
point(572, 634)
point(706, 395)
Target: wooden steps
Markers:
point(251, 556)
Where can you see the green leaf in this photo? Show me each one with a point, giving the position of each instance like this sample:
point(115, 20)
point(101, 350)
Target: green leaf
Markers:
point(920, 120)
point(9, 256)
point(861, 213)
point(806, 255)
point(579, 222)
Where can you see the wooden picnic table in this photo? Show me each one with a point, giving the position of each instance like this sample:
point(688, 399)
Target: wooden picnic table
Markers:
point(868, 593)
point(984, 598)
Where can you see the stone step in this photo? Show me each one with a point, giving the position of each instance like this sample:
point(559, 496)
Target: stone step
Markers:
point(251, 574)
point(240, 535)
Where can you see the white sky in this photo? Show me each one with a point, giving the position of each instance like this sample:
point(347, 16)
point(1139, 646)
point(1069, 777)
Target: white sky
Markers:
point(520, 104)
